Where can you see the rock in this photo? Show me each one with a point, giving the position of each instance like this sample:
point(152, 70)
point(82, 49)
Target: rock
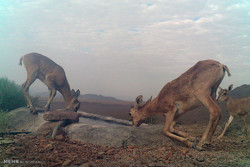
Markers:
point(109, 134)
point(6, 141)
point(47, 128)
point(136, 157)
point(60, 137)
point(101, 153)
point(185, 151)
point(93, 129)
point(72, 141)
point(200, 159)
point(49, 147)
point(111, 151)
point(10, 151)
point(22, 120)
point(61, 115)
point(88, 164)
point(67, 162)
point(131, 147)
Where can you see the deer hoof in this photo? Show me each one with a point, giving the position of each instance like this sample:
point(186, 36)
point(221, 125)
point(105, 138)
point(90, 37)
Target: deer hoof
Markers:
point(196, 141)
point(219, 137)
point(199, 148)
point(46, 109)
point(34, 112)
point(194, 146)
point(207, 145)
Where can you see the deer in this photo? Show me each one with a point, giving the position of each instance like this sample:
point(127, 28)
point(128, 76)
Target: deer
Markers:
point(197, 86)
point(236, 107)
point(53, 76)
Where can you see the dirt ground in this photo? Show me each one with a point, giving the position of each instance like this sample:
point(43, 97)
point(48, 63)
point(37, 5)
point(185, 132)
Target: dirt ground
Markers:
point(30, 150)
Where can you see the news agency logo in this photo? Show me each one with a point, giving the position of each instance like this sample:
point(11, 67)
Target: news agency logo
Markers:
point(11, 161)
point(17, 161)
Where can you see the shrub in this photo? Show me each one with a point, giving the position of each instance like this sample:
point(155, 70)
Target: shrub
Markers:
point(11, 95)
point(4, 122)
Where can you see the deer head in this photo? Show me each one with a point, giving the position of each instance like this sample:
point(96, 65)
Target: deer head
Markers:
point(74, 104)
point(224, 93)
point(137, 112)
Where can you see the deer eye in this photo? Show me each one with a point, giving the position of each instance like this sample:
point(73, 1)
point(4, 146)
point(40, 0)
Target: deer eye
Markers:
point(225, 93)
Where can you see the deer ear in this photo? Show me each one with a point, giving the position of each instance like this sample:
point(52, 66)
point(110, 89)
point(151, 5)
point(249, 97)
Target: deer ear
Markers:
point(220, 90)
point(73, 92)
point(77, 93)
point(149, 100)
point(138, 101)
point(230, 87)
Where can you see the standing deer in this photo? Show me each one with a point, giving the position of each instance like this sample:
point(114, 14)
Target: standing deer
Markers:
point(196, 86)
point(51, 74)
point(237, 107)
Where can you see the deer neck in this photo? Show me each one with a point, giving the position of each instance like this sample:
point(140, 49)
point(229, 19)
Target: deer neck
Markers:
point(230, 101)
point(150, 109)
point(65, 91)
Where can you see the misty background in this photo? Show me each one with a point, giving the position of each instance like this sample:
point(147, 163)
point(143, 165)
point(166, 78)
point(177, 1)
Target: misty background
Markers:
point(125, 48)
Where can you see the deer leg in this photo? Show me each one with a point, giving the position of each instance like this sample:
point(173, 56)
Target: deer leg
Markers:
point(47, 106)
point(180, 133)
point(52, 94)
point(30, 80)
point(215, 113)
point(169, 118)
point(226, 126)
point(214, 89)
point(245, 123)
point(213, 96)
point(210, 134)
point(27, 101)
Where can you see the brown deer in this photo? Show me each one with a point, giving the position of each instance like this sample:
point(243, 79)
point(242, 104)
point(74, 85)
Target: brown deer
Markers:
point(196, 86)
point(51, 74)
point(236, 107)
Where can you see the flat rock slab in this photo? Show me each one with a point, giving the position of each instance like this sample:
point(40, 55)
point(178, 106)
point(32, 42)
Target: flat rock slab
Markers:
point(47, 128)
point(61, 115)
point(94, 129)
point(114, 134)
point(21, 119)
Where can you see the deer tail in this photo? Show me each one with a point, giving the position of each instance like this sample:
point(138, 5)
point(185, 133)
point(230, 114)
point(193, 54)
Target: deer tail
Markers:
point(227, 70)
point(20, 62)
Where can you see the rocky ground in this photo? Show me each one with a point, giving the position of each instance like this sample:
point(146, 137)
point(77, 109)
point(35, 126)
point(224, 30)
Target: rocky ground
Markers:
point(32, 150)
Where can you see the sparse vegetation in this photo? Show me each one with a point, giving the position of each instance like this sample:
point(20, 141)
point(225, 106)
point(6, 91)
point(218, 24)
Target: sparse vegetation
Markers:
point(11, 95)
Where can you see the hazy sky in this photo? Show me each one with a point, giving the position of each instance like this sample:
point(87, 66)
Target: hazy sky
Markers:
point(124, 48)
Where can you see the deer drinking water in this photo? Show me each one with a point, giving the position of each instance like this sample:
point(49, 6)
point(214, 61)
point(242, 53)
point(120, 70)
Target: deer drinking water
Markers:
point(196, 86)
point(236, 107)
point(51, 74)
